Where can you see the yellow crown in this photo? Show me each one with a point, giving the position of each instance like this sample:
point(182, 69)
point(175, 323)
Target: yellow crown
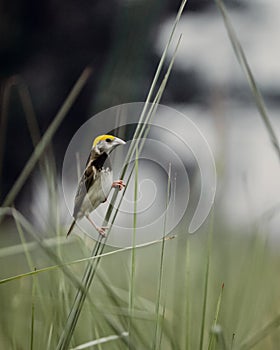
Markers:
point(102, 138)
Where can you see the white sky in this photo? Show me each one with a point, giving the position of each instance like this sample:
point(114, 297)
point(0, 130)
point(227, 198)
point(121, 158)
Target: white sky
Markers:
point(250, 181)
point(206, 49)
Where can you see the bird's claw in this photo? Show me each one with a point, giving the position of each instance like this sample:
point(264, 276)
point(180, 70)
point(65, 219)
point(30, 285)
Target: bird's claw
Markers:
point(118, 184)
point(102, 230)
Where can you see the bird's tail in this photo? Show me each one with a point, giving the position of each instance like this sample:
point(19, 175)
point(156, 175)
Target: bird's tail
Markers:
point(71, 227)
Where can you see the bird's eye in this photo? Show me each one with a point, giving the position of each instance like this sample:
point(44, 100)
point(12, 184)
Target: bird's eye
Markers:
point(109, 140)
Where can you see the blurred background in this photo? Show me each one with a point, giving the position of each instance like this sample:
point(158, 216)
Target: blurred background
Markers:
point(44, 47)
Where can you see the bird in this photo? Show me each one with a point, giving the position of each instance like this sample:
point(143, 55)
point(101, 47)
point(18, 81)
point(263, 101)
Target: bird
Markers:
point(96, 181)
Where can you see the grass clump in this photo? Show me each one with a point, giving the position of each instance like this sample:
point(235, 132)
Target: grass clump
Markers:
point(170, 297)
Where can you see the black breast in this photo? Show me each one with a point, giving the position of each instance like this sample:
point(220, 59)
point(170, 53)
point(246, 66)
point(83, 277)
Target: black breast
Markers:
point(99, 161)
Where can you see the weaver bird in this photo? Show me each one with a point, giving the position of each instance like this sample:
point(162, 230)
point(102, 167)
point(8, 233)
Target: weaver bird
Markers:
point(96, 181)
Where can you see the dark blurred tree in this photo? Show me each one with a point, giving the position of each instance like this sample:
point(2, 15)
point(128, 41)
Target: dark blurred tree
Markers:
point(49, 43)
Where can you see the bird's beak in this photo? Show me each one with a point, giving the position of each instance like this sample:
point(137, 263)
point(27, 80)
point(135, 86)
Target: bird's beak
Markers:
point(118, 141)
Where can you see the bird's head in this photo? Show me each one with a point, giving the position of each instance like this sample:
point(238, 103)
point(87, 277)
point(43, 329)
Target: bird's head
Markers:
point(106, 143)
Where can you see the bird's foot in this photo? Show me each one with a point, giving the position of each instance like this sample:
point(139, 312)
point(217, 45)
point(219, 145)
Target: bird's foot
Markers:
point(102, 230)
point(118, 184)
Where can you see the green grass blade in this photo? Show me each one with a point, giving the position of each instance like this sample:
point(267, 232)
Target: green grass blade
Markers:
point(145, 131)
point(240, 55)
point(48, 347)
point(67, 333)
point(133, 267)
point(31, 120)
point(261, 334)
point(22, 222)
point(157, 333)
point(99, 341)
point(33, 245)
point(144, 127)
point(187, 304)
point(32, 315)
point(206, 283)
point(142, 133)
point(212, 339)
point(4, 122)
point(133, 251)
point(78, 261)
point(205, 293)
point(35, 286)
point(23, 243)
point(152, 88)
point(98, 336)
point(232, 341)
point(47, 137)
point(29, 112)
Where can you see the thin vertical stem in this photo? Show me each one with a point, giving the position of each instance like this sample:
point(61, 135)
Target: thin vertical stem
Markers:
point(133, 267)
point(212, 339)
point(206, 282)
point(158, 299)
point(32, 313)
point(187, 311)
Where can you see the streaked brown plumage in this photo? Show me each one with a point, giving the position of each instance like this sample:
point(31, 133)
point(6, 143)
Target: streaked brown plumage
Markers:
point(96, 181)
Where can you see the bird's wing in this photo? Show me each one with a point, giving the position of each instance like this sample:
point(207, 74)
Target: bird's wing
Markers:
point(85, 183)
